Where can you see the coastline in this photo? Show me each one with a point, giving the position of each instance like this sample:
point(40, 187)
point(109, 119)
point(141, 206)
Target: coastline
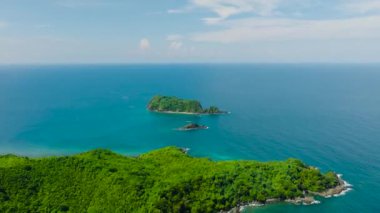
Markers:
point(173, 153)
point(341, 189)
point(309, 199)
point(187, 113)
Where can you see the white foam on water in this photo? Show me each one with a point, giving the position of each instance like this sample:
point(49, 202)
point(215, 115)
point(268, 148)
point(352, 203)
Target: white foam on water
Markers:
point(312, 203)
point(254, 204)
point(347, 185)
point(344, 192)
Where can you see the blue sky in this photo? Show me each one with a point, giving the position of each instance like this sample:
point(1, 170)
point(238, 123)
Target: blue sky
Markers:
point(175, 31)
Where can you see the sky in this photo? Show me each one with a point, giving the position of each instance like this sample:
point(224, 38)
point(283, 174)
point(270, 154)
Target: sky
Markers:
point(187, 31)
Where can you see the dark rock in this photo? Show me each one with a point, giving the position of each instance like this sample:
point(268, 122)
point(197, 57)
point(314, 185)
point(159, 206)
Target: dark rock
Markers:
point(193, 126)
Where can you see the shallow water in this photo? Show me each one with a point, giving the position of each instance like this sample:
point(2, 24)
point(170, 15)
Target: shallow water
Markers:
point(325, 115)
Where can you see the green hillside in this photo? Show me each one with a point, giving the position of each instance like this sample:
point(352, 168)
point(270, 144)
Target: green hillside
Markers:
point(165, 180)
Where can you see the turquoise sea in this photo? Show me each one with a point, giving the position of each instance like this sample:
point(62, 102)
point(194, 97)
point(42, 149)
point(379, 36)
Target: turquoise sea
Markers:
point(327, 115)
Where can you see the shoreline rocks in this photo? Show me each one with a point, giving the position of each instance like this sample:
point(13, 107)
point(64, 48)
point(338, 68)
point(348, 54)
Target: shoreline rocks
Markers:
point(308, 199)
point(189, 113)
point(339, 190)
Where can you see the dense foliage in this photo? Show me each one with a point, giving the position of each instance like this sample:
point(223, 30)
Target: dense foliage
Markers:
point(165, 180)
point(174, 104)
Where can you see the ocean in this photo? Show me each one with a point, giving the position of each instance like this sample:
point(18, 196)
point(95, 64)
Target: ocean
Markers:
point(327, 115)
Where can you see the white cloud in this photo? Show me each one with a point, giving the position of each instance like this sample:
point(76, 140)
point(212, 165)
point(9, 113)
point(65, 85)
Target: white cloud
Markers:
point(144, 44)
point(188, 8)
point(175, 41)
point(174, 37)
point(264, 29)
point(175, 45)
point(227, 8)
point(175, 11)
point(263, 23)
point(178, 11)
point(80, 3)
point(363, 6)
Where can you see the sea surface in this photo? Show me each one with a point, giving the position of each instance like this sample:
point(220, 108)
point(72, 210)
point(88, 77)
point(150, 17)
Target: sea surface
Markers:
point(327, 115)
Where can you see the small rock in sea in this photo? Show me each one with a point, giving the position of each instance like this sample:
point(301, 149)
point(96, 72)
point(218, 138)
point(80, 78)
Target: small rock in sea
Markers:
point(193, 126)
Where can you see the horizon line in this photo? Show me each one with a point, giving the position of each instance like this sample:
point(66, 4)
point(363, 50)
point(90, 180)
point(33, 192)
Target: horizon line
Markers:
point(181, 63)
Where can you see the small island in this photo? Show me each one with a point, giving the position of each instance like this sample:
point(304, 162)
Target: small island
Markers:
point(171, 104)
point(164, 180)
point(192, 126)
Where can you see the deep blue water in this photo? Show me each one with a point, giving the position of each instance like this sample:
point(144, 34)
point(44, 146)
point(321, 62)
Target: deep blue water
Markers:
point(325, 115)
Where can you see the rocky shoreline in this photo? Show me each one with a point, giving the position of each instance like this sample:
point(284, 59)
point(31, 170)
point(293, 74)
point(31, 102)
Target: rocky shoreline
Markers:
point(339, 190)
point(308, 199)
point(189, 113)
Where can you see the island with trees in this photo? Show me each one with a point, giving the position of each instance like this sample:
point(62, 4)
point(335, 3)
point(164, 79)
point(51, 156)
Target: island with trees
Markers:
point(171, 104)
point(164, 180)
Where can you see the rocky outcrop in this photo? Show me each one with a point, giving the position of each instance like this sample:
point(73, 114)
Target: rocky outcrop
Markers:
point(192, 126)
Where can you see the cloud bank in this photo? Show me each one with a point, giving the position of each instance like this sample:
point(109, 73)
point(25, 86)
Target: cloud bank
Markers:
point(223, 9)
point(277, 29)
point(363, 6)
point(267, 20)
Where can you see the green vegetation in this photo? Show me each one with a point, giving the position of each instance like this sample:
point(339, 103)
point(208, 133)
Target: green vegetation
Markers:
point(174, 104)
point(165, 180)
